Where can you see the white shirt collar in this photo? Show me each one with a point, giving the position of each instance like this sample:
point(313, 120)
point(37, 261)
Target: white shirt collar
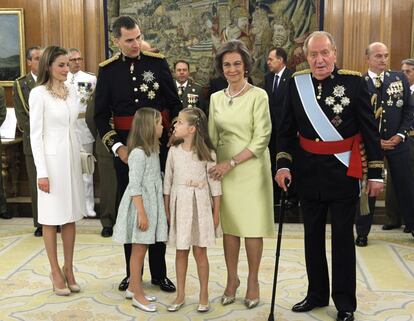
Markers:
point(412, 88)
point(34, 76)
point(281, 72)
point(182, 85)
point(373, 75)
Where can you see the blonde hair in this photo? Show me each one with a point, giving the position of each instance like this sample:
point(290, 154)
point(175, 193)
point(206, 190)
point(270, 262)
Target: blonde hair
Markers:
point(142, 133)
point(202, 144)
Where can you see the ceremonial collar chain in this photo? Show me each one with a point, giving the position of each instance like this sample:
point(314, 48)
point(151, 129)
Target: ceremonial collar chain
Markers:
point(236, 94)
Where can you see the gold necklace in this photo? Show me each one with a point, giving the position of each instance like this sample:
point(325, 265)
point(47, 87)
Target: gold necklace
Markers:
point(56, 94)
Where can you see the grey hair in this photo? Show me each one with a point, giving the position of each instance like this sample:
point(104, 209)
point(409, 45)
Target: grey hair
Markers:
point(30, 50)
point(233, 46)
point(318, 34)
point(71, 50)
point(408, 61)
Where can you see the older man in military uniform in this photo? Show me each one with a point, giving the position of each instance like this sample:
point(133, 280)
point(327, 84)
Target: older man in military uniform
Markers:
point(84, 83)
point(126, 82)
point(190, 93)
point(390, 97)
point(331, 111)
point(21, 90)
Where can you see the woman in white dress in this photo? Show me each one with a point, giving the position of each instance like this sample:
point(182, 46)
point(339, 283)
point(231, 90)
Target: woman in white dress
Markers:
point(56, 152)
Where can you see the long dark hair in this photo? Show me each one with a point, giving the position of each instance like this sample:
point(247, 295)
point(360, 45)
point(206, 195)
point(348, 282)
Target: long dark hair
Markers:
point(46, 60)
point(202, 144)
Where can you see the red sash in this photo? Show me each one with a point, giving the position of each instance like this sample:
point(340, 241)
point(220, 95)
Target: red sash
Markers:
point(336, 147)
point(125, 122)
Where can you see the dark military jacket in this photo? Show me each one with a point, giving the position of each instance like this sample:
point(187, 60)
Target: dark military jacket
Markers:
point(192, 96)
point(21, 91)
point(126, 84)
point(344, 99)
point(392, 106)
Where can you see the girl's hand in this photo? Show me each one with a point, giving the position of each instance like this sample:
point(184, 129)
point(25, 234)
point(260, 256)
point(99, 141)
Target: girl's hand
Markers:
point(216, 220)
point(43, 184)
point(217, 172)
point(142, 222)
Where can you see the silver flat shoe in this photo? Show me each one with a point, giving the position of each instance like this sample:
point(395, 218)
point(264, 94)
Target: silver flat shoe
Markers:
point(129, 295)
point(225, 300)
point(250, 304)
point(147, 308)
point(175, 307)
point(203, 307)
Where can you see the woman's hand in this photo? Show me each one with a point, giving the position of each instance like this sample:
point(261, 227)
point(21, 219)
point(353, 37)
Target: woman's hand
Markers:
point(216, 220)
point(217, 172)
point(142, 222)
point(43, 184)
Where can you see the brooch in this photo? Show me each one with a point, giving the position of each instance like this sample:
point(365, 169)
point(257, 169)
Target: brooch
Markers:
point(338, 101)
point(148, 76)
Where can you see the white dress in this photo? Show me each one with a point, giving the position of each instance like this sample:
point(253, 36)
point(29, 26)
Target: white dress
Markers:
point(191, 190)
point(56, 153)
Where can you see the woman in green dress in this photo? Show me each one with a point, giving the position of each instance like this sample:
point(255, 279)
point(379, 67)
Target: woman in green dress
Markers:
point(240, 127)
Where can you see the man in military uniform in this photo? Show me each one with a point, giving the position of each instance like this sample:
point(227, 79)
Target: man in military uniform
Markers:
point(85, 84)
point(331, 111)
point(3, 204)
point(126, 82)
point(191, 94)
point(21, 90)
point(107, 175)
point(390, 97)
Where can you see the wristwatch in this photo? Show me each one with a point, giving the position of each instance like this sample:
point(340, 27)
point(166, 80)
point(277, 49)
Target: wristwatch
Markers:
point(233, 162)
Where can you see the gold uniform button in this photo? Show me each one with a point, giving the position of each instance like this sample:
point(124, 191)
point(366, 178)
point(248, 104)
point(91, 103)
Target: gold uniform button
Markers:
point(317, 139)
point(385, 120)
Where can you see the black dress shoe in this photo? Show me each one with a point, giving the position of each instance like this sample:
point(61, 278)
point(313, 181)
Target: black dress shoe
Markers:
point(387, 227)
point(406, 230)
point(345, 316)
point(6, 215)
point(107, 232)
point(305, 306)
point(165, 284)
point(124, 284)
point(38, 232)
point(361, 241)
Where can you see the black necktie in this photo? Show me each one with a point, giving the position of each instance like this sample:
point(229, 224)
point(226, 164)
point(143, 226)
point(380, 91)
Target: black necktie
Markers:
point(275, 83)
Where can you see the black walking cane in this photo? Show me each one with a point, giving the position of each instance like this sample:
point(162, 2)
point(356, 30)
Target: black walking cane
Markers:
point(278, 244)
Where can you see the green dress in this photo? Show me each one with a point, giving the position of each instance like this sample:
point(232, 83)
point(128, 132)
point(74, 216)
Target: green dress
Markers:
point(247, 202)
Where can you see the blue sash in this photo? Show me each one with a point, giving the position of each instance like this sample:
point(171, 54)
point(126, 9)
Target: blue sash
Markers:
point(317, 117)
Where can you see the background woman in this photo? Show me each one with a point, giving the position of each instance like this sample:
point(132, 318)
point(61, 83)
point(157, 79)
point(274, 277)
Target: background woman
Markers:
point(56, 152)
point(240, 127)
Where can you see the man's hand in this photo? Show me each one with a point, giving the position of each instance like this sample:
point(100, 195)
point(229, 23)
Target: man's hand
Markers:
point(391, 143)
point(374, 188)
point(280, 178)
point(122, 152)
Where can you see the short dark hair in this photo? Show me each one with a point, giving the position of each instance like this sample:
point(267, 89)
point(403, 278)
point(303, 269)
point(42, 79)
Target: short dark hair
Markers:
point(233, 46)
point(280, 53)
point(30, 50)
point(182, 61)
point(126, 22)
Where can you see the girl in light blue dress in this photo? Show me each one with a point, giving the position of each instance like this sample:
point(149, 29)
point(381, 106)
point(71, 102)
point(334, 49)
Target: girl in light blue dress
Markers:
point(141, 216)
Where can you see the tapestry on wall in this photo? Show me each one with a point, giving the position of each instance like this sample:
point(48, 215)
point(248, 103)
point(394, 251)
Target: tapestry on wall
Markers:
point(194, 30)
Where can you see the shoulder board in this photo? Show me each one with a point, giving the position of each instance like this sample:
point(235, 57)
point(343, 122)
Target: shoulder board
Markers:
point(108, 61)
point(349, 72)
point(153, 54)
point(302, 72)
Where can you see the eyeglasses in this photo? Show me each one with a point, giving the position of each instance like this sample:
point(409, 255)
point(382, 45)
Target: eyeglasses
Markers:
point(76, 59)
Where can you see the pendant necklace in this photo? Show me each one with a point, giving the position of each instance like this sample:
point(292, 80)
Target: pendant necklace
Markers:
point(236, 94)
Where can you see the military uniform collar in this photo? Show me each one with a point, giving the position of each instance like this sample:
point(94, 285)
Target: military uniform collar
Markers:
point(129, 59)
point(333, 74)
point(33, 76)
point(182, 85)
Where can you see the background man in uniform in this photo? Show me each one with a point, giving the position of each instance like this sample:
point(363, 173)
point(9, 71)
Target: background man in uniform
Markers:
point(275, 85)
point(3, 204)
point(85, 84)
point(392, 210)
point(191, 94)
point(390, 97)
point(326, 180)
point(126, 82)
point(21, 90)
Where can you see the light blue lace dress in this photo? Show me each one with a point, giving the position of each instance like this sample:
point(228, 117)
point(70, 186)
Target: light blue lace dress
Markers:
point(145, 180)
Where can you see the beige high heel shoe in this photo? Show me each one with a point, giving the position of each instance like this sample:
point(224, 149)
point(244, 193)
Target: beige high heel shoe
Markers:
point(75, 288)
point(229, 299)
point(57, 291)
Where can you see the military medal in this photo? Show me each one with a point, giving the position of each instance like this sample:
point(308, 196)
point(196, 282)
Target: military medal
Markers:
point(131, 68)
point(337, 106)
point(319, 91)
point(399, 103)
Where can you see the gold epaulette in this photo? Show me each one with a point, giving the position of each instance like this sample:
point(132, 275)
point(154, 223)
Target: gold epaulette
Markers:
point(283, 155)
point(349, 72)
point(108, 61)
point(302, 72)
point(153, 54)
point(376, 164)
